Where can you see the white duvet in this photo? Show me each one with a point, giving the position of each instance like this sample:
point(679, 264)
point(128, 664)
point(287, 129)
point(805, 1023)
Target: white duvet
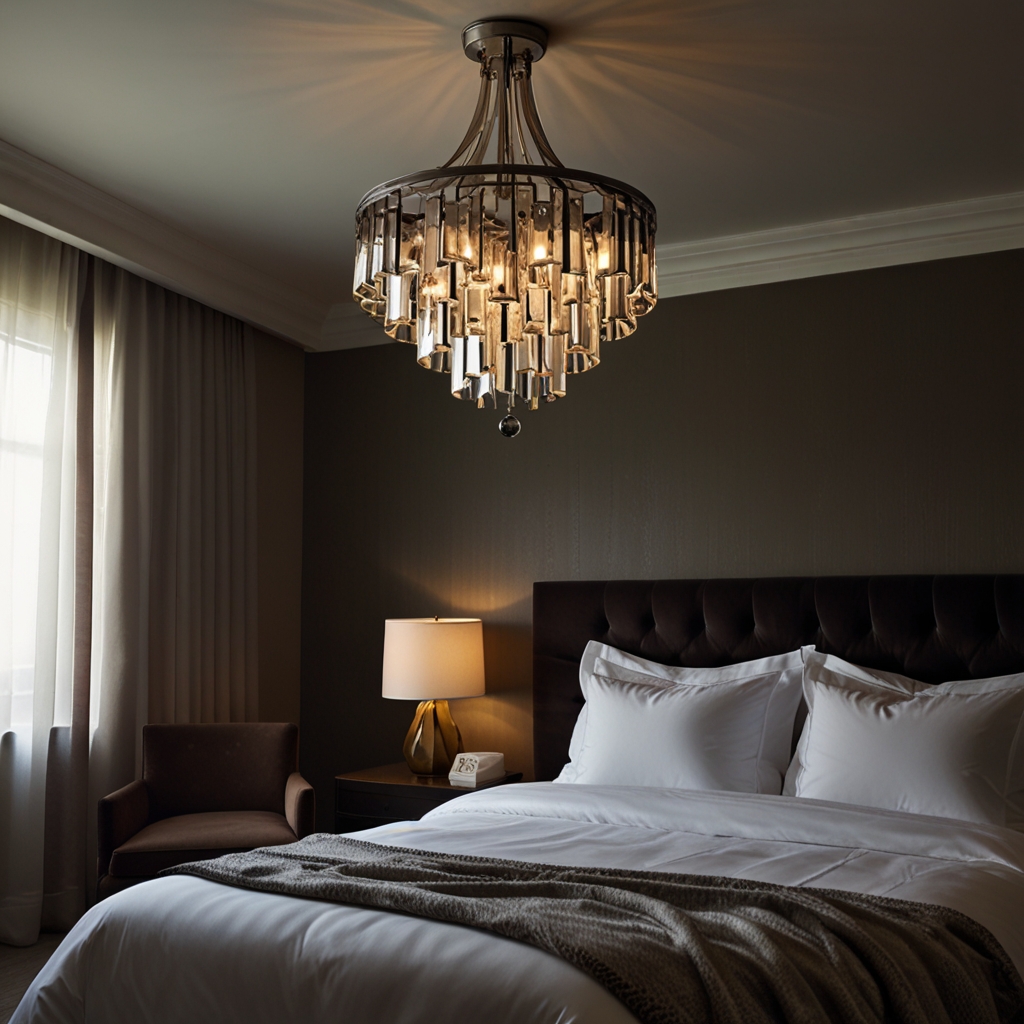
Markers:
point(183, 949)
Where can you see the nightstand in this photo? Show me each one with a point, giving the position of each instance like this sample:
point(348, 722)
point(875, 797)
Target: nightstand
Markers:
point(378, 796)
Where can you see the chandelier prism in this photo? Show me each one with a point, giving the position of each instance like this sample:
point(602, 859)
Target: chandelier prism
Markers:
point(504, 268)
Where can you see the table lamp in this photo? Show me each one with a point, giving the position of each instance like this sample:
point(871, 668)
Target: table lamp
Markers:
point(433, 661)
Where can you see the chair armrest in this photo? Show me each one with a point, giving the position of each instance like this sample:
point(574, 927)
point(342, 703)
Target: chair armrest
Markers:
point(119, 817)
point(300, 805)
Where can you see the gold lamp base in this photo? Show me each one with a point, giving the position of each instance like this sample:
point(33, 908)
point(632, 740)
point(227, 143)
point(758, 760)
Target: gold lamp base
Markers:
point(433, 739)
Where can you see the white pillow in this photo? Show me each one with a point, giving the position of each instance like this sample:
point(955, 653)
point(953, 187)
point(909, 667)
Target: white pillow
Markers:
point(883, 740)
point(647, 724)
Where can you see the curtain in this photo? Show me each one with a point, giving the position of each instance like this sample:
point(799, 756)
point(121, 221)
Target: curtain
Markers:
point(175, 530)
point(40, 286)
point(127, 549)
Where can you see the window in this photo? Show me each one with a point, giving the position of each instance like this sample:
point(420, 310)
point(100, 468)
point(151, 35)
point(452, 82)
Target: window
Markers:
point(26, 363)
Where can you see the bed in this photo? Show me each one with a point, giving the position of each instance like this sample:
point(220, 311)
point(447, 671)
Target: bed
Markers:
point(184, 948)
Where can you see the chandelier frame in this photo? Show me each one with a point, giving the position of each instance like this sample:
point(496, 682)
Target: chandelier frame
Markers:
point(514, 172)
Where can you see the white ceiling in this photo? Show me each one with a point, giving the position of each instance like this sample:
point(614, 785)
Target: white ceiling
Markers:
point(255, 126)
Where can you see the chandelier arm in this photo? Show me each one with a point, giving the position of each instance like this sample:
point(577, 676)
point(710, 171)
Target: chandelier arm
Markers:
point(505, 153)
point(487, 129)
point(514, 98)
point(476, 125)
point(529, 106)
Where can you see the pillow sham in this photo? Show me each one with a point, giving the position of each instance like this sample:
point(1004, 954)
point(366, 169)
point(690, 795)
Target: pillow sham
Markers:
point(648, 724)
point(883, 740)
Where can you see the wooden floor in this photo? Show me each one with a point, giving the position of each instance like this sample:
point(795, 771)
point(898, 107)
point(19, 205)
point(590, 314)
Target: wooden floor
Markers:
point(18, 966)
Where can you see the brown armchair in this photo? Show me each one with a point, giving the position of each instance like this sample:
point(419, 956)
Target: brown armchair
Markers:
point(205, 790)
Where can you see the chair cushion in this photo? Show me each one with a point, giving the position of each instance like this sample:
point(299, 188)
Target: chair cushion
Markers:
point(189, 837)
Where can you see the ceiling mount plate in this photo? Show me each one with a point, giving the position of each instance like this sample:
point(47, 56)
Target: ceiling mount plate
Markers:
point(484, 37)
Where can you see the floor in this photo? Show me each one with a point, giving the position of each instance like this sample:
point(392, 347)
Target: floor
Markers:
point(18, 966)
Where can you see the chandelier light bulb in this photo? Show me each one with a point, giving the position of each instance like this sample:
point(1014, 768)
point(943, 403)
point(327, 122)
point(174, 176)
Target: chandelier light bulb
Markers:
point(504, 268)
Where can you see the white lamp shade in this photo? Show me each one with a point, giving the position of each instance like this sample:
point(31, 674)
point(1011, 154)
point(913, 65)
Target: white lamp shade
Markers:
point(433, 659)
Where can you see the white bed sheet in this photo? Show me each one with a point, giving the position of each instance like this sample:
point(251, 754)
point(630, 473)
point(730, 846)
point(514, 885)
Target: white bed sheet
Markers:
point(184, 949)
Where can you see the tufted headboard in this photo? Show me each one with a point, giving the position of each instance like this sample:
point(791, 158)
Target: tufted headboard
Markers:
point(933, 628)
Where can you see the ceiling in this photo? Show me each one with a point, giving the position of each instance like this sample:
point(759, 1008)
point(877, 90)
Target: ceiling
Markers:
point(255, 126)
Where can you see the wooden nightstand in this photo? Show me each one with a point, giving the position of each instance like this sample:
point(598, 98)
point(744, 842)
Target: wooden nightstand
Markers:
point(377, 796)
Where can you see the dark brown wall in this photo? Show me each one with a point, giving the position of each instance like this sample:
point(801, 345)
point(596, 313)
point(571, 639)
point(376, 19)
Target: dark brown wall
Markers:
point(279, 385)
point(867, 422)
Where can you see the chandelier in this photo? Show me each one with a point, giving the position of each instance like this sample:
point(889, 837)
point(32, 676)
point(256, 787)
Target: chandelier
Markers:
point(504, 268)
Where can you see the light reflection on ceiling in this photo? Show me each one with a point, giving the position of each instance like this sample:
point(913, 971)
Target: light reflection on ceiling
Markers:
point(257, 126)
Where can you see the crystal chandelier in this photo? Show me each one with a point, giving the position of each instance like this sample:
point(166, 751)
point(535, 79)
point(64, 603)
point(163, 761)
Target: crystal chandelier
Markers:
point(504, 268)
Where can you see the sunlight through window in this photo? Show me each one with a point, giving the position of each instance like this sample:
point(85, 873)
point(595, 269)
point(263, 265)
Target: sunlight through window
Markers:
point(25, 377)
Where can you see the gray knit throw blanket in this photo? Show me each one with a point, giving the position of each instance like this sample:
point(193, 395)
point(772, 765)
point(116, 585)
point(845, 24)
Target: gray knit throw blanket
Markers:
point(675, 948)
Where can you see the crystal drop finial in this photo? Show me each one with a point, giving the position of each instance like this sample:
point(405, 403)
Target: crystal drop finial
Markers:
point(509, 426)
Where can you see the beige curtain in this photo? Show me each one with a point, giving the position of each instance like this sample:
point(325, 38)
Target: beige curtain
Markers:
point(136, 539)
point(175, 532)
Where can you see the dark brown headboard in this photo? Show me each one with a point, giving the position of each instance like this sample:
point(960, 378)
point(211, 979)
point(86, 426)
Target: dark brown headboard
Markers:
point(932, 628)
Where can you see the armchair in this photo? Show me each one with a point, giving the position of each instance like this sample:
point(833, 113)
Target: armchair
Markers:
point(205, 790)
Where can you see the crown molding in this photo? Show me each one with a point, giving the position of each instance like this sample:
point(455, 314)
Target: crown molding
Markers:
point(50, 200)
point(44, 197)
point(910, 235)
point(347, 326)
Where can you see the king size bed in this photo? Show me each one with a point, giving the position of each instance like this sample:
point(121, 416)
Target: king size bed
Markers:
point(920, 677)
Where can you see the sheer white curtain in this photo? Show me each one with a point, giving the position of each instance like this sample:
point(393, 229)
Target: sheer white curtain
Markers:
point(39, 298)
point(127, 549)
